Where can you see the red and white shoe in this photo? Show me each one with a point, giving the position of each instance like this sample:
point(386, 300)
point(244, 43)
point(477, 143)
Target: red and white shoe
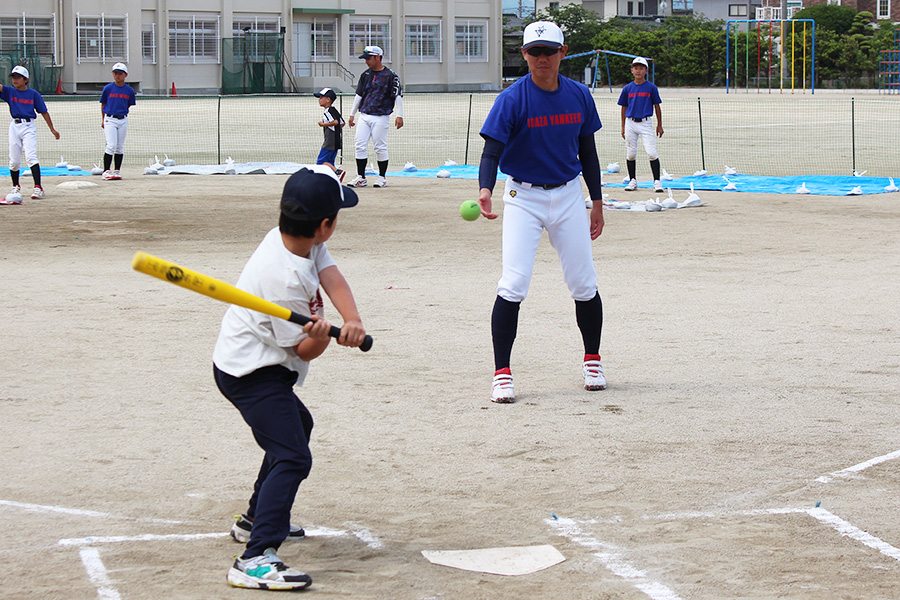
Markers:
point(502, 387)
point(116, 175)
point(593, 373)
point(107, 175)
point(37, 193)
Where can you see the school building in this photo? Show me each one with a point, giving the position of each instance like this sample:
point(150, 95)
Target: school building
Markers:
point(434, 45)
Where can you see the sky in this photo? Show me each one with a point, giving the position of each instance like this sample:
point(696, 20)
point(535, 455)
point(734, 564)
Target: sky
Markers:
point(510, 6)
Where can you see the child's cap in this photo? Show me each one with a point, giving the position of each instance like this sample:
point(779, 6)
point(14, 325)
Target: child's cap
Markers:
point(120, 67)
point(314, 192)
point(372, 51)
point(19, 70)
point(327, 92)
point(542, 33)
point(640, 61)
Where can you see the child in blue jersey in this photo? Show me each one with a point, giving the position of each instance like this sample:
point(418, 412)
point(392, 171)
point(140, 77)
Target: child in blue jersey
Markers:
point(639, 100)
point(541, 133)
point(116, 99)
point(24, 103)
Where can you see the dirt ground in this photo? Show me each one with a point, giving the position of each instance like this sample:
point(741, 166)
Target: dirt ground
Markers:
point(752, 347)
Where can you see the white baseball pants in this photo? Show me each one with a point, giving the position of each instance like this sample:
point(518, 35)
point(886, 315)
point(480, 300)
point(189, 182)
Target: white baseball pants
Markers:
point(22, 136)
point(646, 132)
point(527, 212)
point(115, 130)
point(375, 127)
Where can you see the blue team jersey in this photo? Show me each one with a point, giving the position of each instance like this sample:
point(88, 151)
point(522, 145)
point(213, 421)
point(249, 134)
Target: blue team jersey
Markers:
point(22, 105)
point(540, 129)
point(639, 99)
point(116, 99)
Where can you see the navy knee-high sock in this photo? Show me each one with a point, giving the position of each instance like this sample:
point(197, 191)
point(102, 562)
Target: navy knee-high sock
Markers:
point(654, 168)
point(632, 168)
point(589, 316)
point(504, 324)
point(361, 167)
point(36, 174)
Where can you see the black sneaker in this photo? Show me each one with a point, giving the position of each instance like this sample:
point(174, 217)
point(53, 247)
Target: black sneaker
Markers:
point(240, 531)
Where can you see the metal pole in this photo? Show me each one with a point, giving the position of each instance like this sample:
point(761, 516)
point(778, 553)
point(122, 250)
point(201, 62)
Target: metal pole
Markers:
point(700, 119)
point(468, 130)
point(853, 130)
point(219, 131)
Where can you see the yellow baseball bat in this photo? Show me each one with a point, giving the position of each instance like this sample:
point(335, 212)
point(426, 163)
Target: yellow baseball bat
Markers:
point(219, 290)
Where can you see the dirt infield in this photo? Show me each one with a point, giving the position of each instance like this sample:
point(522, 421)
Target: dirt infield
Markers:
point(751, 347)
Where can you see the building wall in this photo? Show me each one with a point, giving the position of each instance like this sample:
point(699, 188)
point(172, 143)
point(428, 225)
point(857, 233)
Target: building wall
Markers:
point(148, 21)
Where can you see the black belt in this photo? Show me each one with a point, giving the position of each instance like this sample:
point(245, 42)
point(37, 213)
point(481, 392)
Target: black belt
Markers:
point(639, 120)
point(546, 186)
point(116, 116)
point(23, 120)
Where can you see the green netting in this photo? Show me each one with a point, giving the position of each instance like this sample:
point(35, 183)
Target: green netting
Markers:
point(252, 64)
point(44, 75)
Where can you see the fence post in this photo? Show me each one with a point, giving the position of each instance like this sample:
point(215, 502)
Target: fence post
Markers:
point(853, 131)
point(219, 130)
point(468, 130)
point(700, 118)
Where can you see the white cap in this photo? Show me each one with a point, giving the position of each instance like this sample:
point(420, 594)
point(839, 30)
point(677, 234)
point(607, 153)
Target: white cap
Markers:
point(120, 67)
point(20, 70)
point(372, 51)
point(640, 61)
point(542, 33)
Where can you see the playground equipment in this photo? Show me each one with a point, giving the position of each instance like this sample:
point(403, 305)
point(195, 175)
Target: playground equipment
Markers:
point(889, 68)
point(785, 28)
point(596, 64)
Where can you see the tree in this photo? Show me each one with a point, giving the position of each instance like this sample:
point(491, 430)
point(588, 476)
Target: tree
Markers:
point(830, 17)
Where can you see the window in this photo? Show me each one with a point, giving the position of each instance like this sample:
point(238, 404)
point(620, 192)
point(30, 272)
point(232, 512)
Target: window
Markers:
point(148, 43)
point(194, 39)
point(324, 40)
point(682, 4)
point(884, 9)
point(737, 10)
point(39, 31)
point(630, 6)
point(370, 32)
point(423, 40)
point(471, 41)
point(554, 6)
point(101, 39)
point(256, 25)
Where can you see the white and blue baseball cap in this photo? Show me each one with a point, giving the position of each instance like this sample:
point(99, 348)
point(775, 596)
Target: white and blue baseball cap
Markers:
point(543, 33)
point(19, 70)
point(640, 60)
point(120, 67)
point(372, 51)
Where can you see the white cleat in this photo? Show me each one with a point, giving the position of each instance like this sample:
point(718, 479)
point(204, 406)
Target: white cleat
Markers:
point(380, 182)
point(358, 182)
point(38, 193)
point(502, 388)
point(593, 376)
point(657, 186)
point(632, 185)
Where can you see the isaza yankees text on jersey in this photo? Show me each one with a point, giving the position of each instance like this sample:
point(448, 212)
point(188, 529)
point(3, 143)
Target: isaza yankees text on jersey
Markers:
point(561, 119)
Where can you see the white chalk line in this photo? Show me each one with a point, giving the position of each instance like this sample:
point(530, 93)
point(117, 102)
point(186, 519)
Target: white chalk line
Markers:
point(98, 575)
point(82, 513)
point(849, 471)
point(613, 558)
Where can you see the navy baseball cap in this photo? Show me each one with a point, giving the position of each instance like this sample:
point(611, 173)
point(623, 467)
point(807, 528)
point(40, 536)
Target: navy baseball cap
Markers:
point(314, 192)
point(327, 92)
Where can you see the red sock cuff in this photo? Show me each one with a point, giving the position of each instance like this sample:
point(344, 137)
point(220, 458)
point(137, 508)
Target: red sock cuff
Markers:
point(503, 371)
point(588, 357)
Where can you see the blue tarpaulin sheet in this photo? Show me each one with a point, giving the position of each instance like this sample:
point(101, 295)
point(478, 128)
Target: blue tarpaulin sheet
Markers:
point(826, 185)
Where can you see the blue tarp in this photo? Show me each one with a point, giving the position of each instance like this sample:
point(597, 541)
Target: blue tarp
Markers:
point(827, 185)
point(48, 171)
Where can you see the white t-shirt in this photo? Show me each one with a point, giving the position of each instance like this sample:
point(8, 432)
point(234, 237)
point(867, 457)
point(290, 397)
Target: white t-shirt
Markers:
point(250, 340)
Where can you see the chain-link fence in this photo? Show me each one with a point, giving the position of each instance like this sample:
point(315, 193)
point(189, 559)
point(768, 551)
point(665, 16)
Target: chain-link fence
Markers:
point(759, 135)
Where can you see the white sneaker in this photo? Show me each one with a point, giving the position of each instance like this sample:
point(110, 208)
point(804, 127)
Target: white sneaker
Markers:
point(502, 387)
point(107, 175)
point(593, 375)
point(37, 193)
point(266, 572)
point(240, 531)
point(380, 182)
point(657, 186)
point(116, 175)
point(632, 185)
point(14, 197)
point(358, 182)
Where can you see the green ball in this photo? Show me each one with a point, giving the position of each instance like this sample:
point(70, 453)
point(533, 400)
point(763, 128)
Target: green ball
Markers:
point(469, 210)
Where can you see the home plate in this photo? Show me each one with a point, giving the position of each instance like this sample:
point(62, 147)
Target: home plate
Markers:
point(76, 185)
point(520, 560)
